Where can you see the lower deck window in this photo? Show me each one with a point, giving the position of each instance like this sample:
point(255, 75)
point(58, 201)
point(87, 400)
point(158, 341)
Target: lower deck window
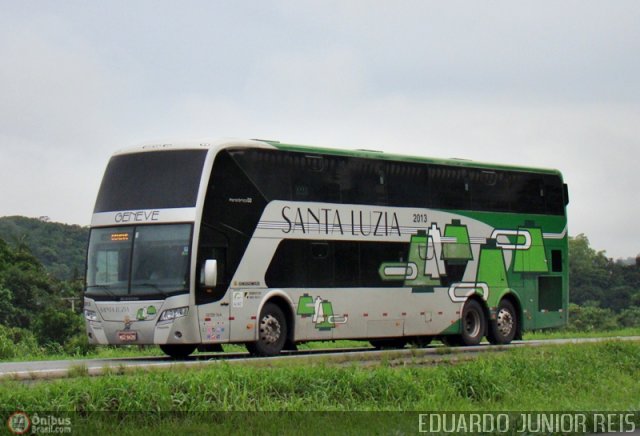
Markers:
point(303, 263)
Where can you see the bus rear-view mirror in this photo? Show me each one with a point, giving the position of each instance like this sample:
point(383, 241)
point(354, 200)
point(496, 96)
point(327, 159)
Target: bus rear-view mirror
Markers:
point(211, 273)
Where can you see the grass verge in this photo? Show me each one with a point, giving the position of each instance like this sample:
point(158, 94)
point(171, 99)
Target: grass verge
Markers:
point(573, 377)
point(567, 377)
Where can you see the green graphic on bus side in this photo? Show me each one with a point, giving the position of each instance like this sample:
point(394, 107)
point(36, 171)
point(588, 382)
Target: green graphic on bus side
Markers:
point(429, 254)
point(305, 306)
point(320, 311)
point(461, 249)
point(436, 260)
point(491, 269)
point(533, 259)
point(418, 254)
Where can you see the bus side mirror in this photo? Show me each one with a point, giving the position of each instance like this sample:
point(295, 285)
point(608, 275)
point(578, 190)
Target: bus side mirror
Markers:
point(211, 273)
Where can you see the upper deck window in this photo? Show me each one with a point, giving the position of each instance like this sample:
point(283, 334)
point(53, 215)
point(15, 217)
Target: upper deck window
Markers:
point(151, 180)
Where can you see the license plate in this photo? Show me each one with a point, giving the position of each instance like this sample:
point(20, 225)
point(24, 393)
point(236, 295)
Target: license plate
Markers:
point(127, 336)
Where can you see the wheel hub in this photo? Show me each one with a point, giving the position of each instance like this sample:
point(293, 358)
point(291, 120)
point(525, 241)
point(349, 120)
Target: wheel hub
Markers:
point(504, 322)
point(269, 329)
point(472, 323)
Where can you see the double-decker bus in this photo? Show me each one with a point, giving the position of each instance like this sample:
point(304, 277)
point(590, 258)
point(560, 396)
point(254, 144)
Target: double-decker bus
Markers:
point(270, 245)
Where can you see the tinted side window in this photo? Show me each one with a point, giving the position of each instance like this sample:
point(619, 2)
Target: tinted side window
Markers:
point(268, 170)
point(232, 209)
point(232, 198)
point(554, 194)
point(299, 176)
point(283, 175)
point(322, 264)
point(372, 255)
point(316, 178)
point(529, 194)
point(288, 267)
point(520, 192)
point(366, 182)
point(491, 190)
point(346, 271)
point(449, 187)
point(407, 184)
point(556, 260)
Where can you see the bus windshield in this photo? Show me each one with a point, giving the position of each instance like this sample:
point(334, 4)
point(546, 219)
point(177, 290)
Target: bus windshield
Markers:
point(138, 262)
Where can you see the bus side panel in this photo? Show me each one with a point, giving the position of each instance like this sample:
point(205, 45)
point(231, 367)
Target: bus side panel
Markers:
point(401, 279)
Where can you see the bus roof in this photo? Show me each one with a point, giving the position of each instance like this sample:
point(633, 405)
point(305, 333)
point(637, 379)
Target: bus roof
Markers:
point(370, 154)
point(374, 154)
point(189, 145)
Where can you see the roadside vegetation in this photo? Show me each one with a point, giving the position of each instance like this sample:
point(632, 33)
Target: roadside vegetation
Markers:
point(572, 377)
point(39, 321)
point(41, 295)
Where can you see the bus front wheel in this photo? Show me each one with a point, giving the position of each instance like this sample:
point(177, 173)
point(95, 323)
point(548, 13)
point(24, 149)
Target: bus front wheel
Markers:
point(272, 332)
point(178, 351)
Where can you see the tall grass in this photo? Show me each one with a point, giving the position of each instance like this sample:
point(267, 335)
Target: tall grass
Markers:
point(567, 377)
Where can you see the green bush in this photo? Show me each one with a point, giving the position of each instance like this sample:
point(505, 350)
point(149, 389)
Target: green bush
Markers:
point(53, 348)
point(591, 318)
point(57, 324)
point(16, 342)
point(629, 317)
point(78, 345)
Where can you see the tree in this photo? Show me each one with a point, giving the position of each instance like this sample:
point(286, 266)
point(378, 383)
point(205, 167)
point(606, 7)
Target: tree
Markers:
point(590, 272)
point(60, 248)
point(32, 299)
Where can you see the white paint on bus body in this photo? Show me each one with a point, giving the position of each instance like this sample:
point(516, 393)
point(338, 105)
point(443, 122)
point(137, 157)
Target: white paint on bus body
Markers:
point(144, 216)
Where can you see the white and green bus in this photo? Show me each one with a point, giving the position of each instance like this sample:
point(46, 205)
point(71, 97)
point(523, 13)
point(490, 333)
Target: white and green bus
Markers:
point(270, 245)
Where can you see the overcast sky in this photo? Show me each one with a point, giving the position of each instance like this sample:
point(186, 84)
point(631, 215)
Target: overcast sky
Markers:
point(552, 84)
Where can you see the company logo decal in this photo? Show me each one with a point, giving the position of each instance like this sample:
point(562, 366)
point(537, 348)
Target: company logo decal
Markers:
point(146, 313)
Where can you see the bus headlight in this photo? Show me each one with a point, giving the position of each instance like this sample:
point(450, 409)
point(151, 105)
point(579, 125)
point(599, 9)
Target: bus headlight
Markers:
point(171, 314)
point(90, 315)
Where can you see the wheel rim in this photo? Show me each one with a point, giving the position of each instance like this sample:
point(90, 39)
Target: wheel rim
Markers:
point(270, 329)
point(504, 322)
point(472, 323)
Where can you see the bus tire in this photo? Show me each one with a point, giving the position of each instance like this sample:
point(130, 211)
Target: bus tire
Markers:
point(272, 332)
point(473, 323)
point(178, 351)
point(504, 328)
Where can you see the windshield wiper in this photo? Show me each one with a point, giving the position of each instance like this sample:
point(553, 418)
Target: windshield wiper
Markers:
point(105, 288)
point(152, 285)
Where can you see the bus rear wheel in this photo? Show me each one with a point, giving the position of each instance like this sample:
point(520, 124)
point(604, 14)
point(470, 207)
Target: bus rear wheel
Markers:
point(272, 332)
point(503, 329)
point(473, 323)
point(178, 351)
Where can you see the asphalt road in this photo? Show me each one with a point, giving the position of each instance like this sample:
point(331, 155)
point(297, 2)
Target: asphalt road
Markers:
point(50, 369)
